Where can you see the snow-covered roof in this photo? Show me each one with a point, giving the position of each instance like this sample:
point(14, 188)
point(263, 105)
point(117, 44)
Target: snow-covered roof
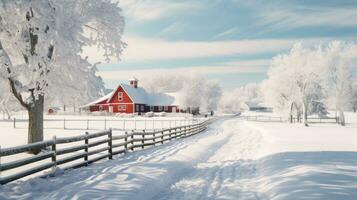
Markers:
point(106, 97)
point(161, 99)
point(137, 95)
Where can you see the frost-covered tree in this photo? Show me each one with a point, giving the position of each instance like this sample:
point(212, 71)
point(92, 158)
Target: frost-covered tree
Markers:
point(307, 76)
point(78, 87)
point(340, 61)
point(354, 96)
point(235, 101)
point(295, 80)
point(38, 36)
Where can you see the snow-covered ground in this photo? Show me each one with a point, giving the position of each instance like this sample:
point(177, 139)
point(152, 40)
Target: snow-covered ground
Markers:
point(72, 125)
point(233, 159)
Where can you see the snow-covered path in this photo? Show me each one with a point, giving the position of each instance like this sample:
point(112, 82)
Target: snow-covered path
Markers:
point(233, 159)
point(200, 167)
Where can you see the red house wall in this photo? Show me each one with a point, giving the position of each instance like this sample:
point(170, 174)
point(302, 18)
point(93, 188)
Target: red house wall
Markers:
point(126, 98)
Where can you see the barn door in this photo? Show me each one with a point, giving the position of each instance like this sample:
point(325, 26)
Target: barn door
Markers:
point(111, 108)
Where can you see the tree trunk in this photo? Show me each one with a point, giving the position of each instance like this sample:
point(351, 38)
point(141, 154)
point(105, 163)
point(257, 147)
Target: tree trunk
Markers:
point(342, 117)
point(305, 114)
point(291, 112)
point(7, 113)
point(35, 128)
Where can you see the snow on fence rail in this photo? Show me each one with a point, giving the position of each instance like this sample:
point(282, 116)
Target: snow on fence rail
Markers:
point(115, 124)
point(111, 145)
point(262, 118)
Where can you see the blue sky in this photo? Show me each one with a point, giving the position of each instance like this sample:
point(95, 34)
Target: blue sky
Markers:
point(231, 41)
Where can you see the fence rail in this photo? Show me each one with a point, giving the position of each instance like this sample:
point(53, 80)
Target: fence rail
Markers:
point(107, 145)
point(261, 118)
point(116, 124)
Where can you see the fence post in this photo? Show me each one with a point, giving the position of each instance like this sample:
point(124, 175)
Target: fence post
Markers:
point(142, 141)
point(54, 157)
point(110, 144)
point(162, 137)
point(170, 135)
point(126, 142)
point(87, 124)
point(86, 142)
point(153, 139)
point(14, 122)
point(132, 140)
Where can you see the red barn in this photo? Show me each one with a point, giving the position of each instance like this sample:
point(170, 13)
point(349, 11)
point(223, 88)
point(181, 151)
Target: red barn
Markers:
point(133, 99)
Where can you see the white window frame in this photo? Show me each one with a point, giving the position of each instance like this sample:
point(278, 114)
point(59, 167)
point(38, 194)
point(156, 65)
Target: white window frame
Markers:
point(137, 108)
point(142, 108)
point(166, 108)
point(120, 96)
point(122, 107)
point(160, 108)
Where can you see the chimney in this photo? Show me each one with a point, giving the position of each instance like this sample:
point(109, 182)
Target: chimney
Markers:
point(134, 82)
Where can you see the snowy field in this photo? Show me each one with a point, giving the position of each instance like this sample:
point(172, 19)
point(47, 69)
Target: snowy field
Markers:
point(72, 125)
point(233, 159)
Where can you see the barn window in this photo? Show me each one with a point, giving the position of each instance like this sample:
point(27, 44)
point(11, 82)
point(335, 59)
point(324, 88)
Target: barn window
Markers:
point(120, 96)
point(160, 108)
point(122, 107)
point(142, 108)
point(166, 108)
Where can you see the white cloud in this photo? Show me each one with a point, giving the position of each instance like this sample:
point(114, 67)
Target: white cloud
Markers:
point(236, 67)
point(154, 9)
point(157, 49)
point(302, 16)
point(226, 32)
point(141, 49)
point(172, 28)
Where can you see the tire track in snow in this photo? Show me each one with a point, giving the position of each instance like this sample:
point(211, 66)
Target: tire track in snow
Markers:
point(226, 174)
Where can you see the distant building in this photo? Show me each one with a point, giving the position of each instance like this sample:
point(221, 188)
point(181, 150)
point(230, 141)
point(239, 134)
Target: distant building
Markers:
point(133, 99)
point(253, 106)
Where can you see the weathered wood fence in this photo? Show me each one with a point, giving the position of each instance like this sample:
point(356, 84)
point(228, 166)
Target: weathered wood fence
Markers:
point(52, 156)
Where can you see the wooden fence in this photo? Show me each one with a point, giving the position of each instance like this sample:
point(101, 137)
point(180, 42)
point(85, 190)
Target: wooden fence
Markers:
point(51, 156)
point(262, 118)
point(120, 124)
